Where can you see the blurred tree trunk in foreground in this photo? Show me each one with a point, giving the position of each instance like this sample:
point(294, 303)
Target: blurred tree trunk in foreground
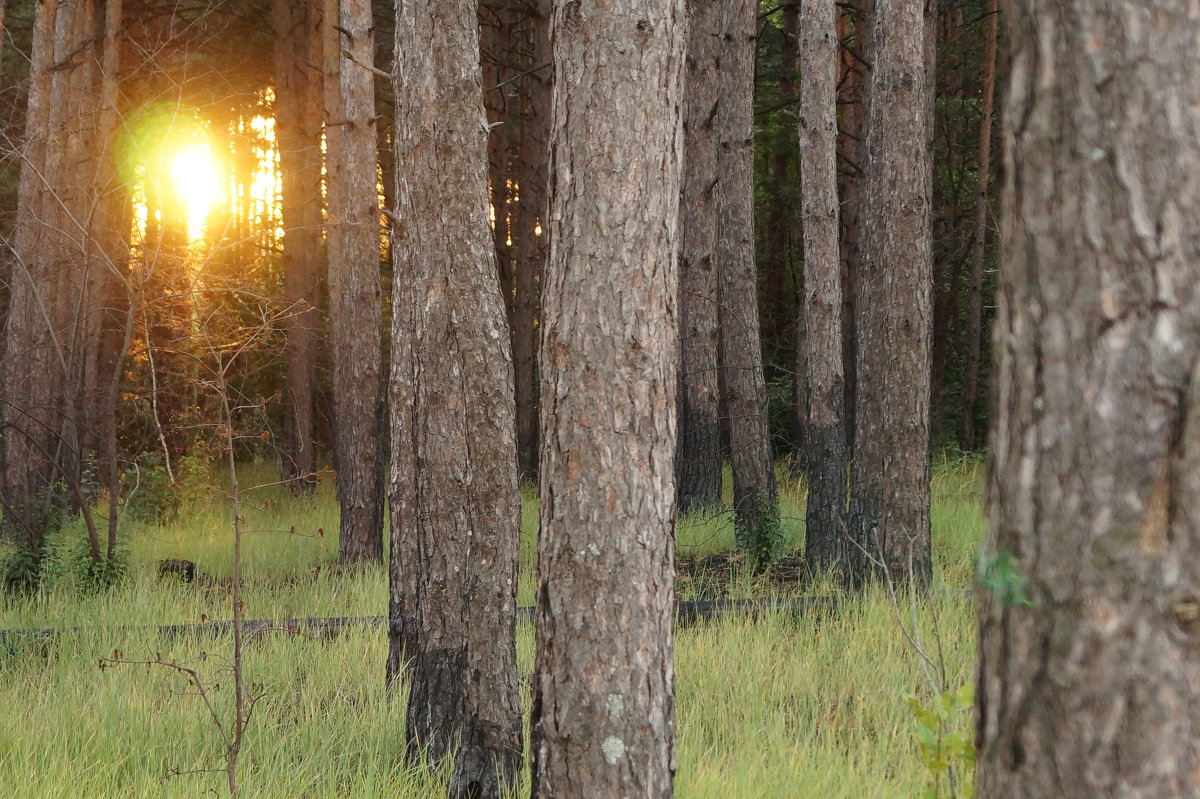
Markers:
point(1088, 680)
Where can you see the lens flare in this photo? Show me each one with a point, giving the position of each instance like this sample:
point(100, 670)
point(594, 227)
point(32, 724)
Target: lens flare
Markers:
point(197, 182)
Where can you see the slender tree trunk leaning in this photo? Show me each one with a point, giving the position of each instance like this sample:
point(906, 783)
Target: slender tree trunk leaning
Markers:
point(755, 502)
point(889, 506)
point(355, 315)
point(603, 707)
point(698, 456)
point(454, 496)
point(979, 243)
point(826, 548)
point(530, 215)
point(298, 93)
point(1088, 681)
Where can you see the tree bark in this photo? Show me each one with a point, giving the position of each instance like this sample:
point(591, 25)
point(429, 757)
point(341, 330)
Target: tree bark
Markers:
point(298, 93)
point(826, 548)
point(1088, 683)
point(889, 509)
point(29, 355)
point(496, 46)
point(698, 455)
point(454, 495)
point(754, 494)
point(355, 315)
point(115, 293)
point(852, 132)
point(603, 712)
point(979, 242)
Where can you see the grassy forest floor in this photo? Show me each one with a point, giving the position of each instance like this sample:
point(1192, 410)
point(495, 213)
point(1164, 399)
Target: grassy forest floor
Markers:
point(771, 707)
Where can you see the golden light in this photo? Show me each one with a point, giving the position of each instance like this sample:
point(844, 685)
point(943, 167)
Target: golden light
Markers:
point(196, 177)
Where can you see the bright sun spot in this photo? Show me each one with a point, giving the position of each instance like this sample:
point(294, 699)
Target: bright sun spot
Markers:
point(195, 174)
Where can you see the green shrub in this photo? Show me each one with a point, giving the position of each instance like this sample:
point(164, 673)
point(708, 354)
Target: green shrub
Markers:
point(949, 756)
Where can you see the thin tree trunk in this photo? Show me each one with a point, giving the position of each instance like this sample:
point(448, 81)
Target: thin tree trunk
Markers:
point(29, 355)
point(979, 243)
point(1088, 680)
point(852, 131)
point(454, 494)
point(780, 235)
point(530, 213)
point(603, 708)
point(355, 314)
point(298, 93)
point(783, 232)
point(889, 509)
point(115, 293)
point(826, 547)
point(754, 494)
point(698, 457)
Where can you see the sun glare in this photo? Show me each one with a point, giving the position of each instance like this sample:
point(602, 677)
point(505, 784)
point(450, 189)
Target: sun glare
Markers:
point(197, 181)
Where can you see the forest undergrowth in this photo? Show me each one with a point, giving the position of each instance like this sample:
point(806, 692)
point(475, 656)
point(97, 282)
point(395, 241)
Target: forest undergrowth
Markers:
point(777, 706)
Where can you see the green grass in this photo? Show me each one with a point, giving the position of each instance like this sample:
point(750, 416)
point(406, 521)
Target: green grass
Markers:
point(778, 707)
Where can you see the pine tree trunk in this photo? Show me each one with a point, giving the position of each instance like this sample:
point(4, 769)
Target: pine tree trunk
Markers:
point(826, 547)
point(298, 93)
point(29, 357)
point(530, 215)
point(355, 315)
point(889, 509)
point(603, 708)
point(115, 319)
point(698, 458)
point(979, 243)
point(1088, 680)
point(754, 493)
point(781, 234)
point(454, 496)
point(852, 133)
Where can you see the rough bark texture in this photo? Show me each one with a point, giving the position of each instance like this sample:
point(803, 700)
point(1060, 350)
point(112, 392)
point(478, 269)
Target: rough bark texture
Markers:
point(1091, 686)
point(298, 98)
point(979, 242)
point(603, 713)
point(530, 221)
point(889, 508)
point(754, 492)
point(825, 543)
point(354, 295)
point(495, 18)
point(698, 459)
point(454, 499)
